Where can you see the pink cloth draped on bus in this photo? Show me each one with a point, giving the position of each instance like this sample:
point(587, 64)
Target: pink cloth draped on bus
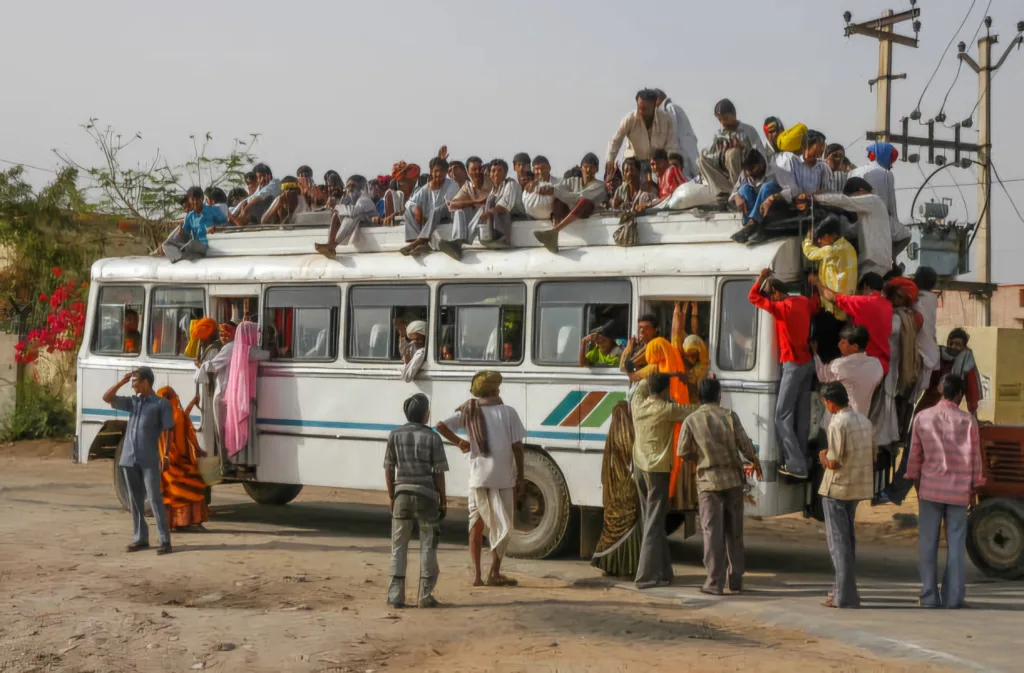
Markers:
point(241, 388)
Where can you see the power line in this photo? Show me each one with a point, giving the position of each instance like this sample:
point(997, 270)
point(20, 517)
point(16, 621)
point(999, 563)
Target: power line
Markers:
point(943, 55)
point(966, 184)
point(960, 65)
point(1006, 191)
point(22, 163)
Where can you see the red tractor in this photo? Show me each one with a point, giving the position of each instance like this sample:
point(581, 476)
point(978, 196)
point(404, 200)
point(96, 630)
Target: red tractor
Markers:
point(995, 529)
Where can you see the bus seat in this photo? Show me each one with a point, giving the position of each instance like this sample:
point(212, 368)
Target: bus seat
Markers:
point(379, 341)
point(567, 339)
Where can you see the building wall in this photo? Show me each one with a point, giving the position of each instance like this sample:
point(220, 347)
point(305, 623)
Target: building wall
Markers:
point(960, 309)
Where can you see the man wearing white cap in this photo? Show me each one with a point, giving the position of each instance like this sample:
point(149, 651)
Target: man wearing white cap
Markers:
point(414, 356)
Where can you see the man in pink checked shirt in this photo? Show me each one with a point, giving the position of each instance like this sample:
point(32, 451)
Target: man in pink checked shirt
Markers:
point(945, 464)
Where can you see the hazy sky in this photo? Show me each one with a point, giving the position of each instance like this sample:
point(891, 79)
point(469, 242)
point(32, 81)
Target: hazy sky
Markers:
point(356, 86)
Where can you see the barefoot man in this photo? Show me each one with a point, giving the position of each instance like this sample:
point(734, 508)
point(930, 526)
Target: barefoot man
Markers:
point(495, 449)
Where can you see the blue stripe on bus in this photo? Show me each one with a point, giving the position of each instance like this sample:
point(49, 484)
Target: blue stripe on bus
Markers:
point(564, 408)
point(380, 427)
point(122, 414)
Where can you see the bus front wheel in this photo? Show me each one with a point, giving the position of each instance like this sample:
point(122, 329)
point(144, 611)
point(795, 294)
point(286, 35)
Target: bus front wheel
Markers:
point(272, 494)
point(543, 514)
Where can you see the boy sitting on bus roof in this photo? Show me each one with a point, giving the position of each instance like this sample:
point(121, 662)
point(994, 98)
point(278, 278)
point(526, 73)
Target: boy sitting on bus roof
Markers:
point(493, 222)
point(576, 198)
point(354, 211)
point(428, 207)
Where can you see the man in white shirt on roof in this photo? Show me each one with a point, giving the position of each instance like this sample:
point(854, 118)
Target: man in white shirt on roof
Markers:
point(251, 210)
point(493, 221)
point(874, 242)
point(720, 164)
point(428, 207)
point(644, 130)
point(686, 138)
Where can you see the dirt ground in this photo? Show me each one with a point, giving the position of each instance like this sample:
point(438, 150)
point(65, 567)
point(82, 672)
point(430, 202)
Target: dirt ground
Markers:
point(248, 595)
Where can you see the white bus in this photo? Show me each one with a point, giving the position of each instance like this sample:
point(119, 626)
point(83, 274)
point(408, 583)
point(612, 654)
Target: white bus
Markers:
point(333, 387)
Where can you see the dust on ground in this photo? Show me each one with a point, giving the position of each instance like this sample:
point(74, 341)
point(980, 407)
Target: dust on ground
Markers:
point(251, 596)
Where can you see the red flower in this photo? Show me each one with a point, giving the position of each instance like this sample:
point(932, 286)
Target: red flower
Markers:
point(19, 346)
point(57, 271)
point(84, 284)
point(42, 297)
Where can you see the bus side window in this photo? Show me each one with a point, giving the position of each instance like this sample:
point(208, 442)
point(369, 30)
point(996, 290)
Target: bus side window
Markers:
point(173, 310)
point(119, 320)
point(481, 322)
point(373, 314)
point(567, 312)
point(737, 329)
point(302, 322)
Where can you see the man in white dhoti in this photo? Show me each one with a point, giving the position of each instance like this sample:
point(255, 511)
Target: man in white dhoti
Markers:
point(495, 449)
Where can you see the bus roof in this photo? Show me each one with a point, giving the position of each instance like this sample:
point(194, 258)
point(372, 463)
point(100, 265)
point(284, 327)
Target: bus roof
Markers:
point(692, 259)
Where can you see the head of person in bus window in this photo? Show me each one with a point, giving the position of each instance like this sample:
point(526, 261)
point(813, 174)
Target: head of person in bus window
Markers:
point(852, 339)
point(457, 172)
point(604, 341)
point(588, 167)
point(499, 171)
point(227, 332)
point(508, 352)
point(251, 183)
point(647, 328)
point(542, 168)
point(438, 172)
point(446, 352)
point(132, 337)
point(416, 332)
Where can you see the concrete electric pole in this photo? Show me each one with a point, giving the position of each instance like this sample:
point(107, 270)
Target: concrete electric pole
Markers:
point(984, 68)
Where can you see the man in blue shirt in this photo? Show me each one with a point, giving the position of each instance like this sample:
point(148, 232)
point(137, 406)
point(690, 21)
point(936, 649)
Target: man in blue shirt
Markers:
point(189, 240)
point(149, 416)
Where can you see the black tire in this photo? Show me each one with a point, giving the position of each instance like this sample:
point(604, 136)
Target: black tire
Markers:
point(272, 494)
point(121, 486)
point(995, 538)
point(543, 516)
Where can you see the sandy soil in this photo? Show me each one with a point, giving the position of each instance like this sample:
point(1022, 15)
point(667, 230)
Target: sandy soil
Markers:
point(252, 596)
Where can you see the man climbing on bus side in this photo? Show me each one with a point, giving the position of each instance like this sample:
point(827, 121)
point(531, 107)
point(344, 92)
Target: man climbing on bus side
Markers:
point(496, 469)
point(414, 467)
point(792, 329)
point(714, 439)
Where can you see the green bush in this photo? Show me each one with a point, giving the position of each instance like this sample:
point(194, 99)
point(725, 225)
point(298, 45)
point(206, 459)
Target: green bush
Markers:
point(38, 414)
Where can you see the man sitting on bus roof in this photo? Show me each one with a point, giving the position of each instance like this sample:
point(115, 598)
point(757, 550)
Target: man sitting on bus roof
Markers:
point(576, 198)
point(721, 164)
point(251, 209)
point(644, 129)
point(539, 194)
point(472, 196)
point(355, 210)
point(290, 203)
point(493, 222)
point(428, 207)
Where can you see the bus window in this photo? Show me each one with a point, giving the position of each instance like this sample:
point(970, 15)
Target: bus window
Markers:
point(697, 316)
point(118, 320)
point(373, 314)
point(173, 309)
point(481, 322)
point(302, 322)
point(234, 309)
point(737, 329)
point(569, 311)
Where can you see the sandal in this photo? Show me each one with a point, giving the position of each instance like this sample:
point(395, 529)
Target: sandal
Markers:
point(501, 581)
point(327, 251)
point(829, 604)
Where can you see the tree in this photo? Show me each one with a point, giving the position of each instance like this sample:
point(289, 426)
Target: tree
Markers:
point(41, 231)
point(149, 194)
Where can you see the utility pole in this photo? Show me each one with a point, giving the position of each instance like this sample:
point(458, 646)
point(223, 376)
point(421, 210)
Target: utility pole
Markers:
point(882, 30)
point(984, 69)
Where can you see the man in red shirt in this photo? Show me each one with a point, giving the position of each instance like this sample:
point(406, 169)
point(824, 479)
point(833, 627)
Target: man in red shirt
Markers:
point(867, 309)
point(792, 328)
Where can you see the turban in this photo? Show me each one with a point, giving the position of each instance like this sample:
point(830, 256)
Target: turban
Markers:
point(416, 408)
point(792, 138)
point(198, 332)
point(904, 286)
point(404, 170)
point(772, 125)
point(883, 154)
point(228, 329)
point(417, 327)
point(485, 384)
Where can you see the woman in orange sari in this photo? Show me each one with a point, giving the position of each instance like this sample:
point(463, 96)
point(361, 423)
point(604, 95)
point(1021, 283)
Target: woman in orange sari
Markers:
point(184, 490)
point(667, 358)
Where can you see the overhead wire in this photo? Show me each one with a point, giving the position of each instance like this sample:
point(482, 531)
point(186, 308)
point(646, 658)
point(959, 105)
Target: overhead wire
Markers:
point(1006, 191)
point(943, 55)
point(960, 63)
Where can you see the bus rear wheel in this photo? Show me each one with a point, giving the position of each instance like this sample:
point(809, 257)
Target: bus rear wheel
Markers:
point(272, 494)
point(995, 538)
point(542, 516)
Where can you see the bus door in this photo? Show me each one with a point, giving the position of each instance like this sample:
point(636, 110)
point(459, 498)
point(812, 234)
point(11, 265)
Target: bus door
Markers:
point(660, 296)
point(233, 303)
